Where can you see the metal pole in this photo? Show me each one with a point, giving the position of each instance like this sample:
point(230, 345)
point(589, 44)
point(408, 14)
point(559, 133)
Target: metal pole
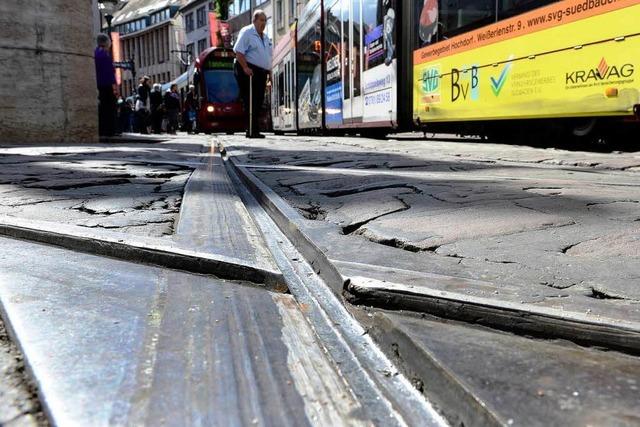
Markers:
point(251, 105)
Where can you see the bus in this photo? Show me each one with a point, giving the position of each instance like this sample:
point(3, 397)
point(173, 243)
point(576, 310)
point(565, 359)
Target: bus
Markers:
point(499, 65)
point(218, 92)
point(481, 67)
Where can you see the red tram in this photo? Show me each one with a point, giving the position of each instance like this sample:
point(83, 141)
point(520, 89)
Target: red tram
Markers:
point(218, 92)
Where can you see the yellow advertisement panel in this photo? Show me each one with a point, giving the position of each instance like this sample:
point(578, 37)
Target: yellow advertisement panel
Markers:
point(572, 58)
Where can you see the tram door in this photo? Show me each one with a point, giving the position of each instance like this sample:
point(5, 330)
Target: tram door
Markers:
point(352, 61)
point(289, 119)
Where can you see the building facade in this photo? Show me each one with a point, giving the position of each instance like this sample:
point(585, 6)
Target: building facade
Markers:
point(285, 13)
point(151, 34)
point(195, 21)
point(241, 12)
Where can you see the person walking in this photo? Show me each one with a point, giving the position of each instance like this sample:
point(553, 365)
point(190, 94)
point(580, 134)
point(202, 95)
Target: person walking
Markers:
point(107, 89)
point(172, 105)
point(143, 105)
point(191, 110)
point(157, 109)
point(252, 66)
point(124, 113)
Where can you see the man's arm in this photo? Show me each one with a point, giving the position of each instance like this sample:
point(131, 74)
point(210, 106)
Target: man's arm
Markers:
point(243, 63)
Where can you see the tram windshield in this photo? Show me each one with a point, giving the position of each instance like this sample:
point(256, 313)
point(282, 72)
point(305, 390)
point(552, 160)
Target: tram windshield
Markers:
point(222, 86)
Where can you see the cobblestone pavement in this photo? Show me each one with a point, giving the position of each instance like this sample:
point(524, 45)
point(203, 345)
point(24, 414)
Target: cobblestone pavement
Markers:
point(555, 223)
point(123, 186)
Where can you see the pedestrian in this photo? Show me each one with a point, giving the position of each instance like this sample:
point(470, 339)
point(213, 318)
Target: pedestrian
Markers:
point(172, 107)
point(123, 115)
point(191, 110)
point(130, 107)
point(143, 105)
point(107, 89)
point(157, 108)
point(253, 58)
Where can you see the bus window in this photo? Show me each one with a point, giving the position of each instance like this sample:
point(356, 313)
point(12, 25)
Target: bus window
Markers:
point(357, 46)
point(285, 84)
point(332, 44)
point(222, 86)
point(346, 53)
point(379, 41)
point(509, 8)
point(309, 66)
point(281, 88)
point(456, 17)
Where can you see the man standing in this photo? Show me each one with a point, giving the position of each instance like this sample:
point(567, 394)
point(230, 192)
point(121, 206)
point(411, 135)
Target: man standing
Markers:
point(106, 79)
point(253, 58)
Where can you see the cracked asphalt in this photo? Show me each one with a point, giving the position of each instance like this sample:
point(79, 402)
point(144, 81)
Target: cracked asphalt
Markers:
point(126, 187)
point(130, 185)
point(553, 223)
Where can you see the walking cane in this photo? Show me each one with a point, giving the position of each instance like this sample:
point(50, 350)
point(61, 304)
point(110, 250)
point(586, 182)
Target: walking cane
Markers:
point(251, 105)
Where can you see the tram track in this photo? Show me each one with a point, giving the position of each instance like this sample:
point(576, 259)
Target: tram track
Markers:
point(368, 371)
point(411, 322)
point(293, 343)
point(567, 323)
point(164, 337)
point(458, 176)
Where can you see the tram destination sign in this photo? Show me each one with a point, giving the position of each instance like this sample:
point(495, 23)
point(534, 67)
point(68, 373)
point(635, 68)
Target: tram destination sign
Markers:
point(218, 64)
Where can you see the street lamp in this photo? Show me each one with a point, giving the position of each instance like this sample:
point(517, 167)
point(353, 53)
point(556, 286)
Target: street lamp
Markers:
point(108, 7)
point(186, 63)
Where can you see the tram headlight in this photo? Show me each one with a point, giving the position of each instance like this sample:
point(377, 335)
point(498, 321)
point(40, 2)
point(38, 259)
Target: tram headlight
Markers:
point(211, 109)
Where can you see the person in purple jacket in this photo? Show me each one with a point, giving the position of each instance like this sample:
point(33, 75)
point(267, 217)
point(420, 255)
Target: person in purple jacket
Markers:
point(106, 79)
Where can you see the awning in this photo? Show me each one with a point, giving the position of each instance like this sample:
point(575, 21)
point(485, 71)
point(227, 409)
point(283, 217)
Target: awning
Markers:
point(182, 80)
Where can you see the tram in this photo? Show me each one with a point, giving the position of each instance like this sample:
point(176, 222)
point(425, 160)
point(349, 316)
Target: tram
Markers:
point(283, 103)
point(468, 66)
point(219, 94)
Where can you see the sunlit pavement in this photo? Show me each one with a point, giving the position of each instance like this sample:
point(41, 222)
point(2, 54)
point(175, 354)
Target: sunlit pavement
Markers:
point(543, 233)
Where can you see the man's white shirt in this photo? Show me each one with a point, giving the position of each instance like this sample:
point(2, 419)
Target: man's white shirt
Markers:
point(256, 50)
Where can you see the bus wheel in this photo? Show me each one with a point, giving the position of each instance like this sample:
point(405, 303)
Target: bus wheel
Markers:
point(590, 133)
point(229, 133)
point(585, 127)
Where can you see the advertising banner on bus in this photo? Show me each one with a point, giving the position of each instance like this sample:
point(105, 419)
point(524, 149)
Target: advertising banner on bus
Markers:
point(571, 58)
point(379, 76)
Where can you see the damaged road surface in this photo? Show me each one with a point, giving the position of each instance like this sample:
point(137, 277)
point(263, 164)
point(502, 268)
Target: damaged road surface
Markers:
point(152, 289)
point(503, 280)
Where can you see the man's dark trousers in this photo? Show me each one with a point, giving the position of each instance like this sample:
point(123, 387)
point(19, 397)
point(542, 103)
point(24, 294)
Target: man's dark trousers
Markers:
point(106, 111)
point(259, 87)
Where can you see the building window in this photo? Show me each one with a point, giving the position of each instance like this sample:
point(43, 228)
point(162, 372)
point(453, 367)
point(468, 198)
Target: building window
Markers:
point(279, 14)
point(190, 52)
point(201, 14)
point(269, 28)
point(202, 45)
point(238, 7)
point(292, 10)
point(188, 22)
